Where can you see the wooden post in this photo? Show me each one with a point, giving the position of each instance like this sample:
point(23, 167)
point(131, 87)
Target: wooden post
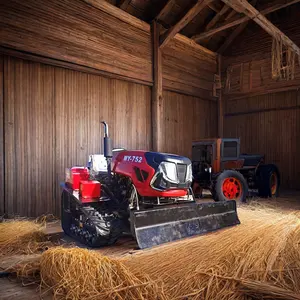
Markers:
point(220, 102)
point(157, 99)
point(2, 179)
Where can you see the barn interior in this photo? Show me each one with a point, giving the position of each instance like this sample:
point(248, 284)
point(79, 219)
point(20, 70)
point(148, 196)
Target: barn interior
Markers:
point(162, 74)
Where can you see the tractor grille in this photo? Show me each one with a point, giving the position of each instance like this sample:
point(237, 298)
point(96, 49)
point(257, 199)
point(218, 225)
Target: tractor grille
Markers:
point(181, 173)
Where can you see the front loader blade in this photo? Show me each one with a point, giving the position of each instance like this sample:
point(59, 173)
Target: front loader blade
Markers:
point(169, 223)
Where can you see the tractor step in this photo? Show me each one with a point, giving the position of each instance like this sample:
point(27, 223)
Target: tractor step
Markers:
point(162, 225)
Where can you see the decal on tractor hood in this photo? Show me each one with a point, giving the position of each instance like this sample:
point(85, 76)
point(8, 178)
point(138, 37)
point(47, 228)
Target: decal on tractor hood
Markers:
point(132, 158)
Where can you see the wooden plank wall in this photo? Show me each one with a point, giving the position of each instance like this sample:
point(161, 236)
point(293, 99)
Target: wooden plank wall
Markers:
point(74, 31)
point(248, 60)
point(188, 70)
point(263, 112)
point(52, 121)
point(269, 124)
point(1, 138)
point(185, 119)
point(56, 95)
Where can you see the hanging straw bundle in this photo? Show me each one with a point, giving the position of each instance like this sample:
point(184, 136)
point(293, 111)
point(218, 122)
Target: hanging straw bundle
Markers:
point(21, 237)
point(260, 258)
point(76, 273)
point(283, 61)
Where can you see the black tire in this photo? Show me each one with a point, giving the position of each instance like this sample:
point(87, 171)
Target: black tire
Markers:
point(237, 189)
point(265, 181)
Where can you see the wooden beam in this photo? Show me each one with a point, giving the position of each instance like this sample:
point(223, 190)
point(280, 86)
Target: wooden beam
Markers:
point(220, 103)
point(184, 39)
point(237, 31)
point(166, 9)
point(157, 99)
point(231, 23)
point(124, 4)
point(213, 7)
point(169, 34)
point(119, 14)
point(245, 7)
point(217, 17)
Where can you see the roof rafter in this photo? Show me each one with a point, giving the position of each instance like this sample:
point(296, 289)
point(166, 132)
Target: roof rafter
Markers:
point(237, 31)
point(166, 9)
point(217, 17)
point(213, 7)
point(230, 23)
point(124, 4)
point(169, 34)
point(243, 6)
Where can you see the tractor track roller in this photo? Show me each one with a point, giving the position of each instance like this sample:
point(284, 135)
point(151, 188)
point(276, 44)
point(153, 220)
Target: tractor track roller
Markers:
point(87, 225)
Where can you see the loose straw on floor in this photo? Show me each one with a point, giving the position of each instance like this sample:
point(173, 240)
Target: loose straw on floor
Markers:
point(21, 237)
point(259, 259)
point(83, 274)
point(265, 248)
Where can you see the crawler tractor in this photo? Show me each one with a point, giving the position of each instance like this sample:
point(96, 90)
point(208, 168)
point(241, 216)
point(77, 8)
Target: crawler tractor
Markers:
point(219, 167)
point(146, 194)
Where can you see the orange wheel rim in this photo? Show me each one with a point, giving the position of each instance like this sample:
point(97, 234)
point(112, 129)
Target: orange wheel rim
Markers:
point(274, 183)
point(232, 188)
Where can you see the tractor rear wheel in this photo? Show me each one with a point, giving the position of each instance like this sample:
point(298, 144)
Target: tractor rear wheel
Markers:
point(268, 181)
point(230, 185)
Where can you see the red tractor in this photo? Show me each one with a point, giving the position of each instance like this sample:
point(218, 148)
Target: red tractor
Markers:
point(219, 167)
point(147, 194)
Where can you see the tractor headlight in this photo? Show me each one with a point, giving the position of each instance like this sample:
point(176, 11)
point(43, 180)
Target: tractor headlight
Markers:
point(189, 173)
point(169, 171)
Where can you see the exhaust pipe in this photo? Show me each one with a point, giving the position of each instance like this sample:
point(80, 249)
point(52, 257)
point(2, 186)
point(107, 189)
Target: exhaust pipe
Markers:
point(107, 148)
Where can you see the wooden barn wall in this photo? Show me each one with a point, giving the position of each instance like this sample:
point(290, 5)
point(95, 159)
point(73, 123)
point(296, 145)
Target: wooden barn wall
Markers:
point(1, 137)
point(52, 121)
point(263, 112)
point(186, 118)
point(76, 65)
point(73, 31)
point(247, 64)
point(189, 70)
point(269, 124)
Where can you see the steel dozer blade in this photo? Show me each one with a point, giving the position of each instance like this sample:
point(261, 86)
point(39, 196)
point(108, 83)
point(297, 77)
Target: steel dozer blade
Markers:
point(169, 223)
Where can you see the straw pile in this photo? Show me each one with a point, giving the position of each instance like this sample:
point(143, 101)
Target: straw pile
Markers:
point(258, 259)
point(76, 273)
point(21, 237)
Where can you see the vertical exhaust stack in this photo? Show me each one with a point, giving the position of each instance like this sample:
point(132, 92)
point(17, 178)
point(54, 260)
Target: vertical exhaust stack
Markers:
point(107, 148)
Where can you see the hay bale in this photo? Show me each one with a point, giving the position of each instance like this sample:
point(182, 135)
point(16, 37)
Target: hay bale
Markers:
point(21, 237)
point(264, 249)
point(75, 273)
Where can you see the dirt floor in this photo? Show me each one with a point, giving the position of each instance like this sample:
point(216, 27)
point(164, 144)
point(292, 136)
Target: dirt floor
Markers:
point(11, 289)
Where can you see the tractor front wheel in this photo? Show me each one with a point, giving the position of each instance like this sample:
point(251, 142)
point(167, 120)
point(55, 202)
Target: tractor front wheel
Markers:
point(268, 181)
point(230, 185)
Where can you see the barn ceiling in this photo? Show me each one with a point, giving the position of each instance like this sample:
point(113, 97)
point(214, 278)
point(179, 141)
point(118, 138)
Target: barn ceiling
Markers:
point(213, 15)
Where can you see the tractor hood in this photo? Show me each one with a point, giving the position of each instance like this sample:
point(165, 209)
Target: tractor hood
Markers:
point(155, 158)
